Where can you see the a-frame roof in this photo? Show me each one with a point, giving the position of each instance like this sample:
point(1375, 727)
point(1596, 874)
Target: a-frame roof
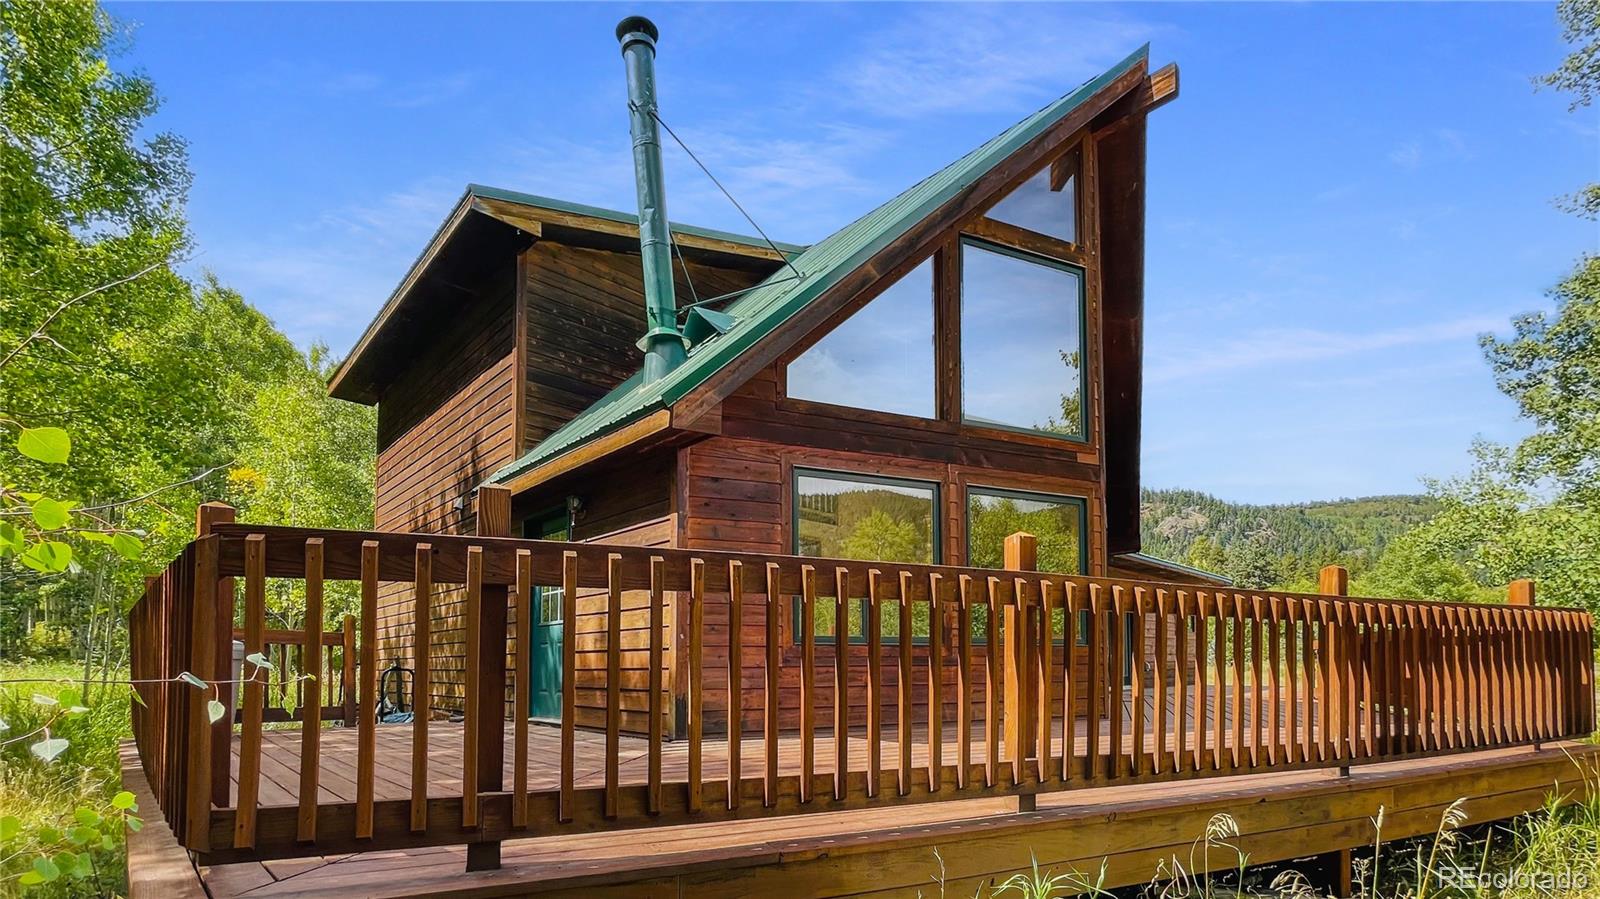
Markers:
point(813, 272)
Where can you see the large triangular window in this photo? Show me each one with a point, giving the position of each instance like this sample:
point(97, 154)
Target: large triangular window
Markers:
point(1045, 204)
point(880, 358)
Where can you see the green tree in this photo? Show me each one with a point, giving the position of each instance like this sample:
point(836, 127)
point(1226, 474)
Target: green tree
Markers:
point(1533, 510)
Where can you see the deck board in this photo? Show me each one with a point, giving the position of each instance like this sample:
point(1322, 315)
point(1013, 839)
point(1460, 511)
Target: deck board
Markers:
point(280, 785)
point(743, 858)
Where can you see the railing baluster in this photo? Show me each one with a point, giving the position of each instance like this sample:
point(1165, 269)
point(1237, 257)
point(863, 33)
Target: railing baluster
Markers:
point(1220, 663)
point(841, 682)
point(903, 674)
point(808, 680)
point(935, 679)
point(991, 685)
point(735, 682)
point(1369, 680)
point(1049, 771)
point(1422, 677)
point(1256, 692)
point(653, 685)
point(1237, 624)
point(613, 682)
point(1097, 680)
point(522, 599)
point(1276, 749)
point(1163, 759)
point(367, 732)
point(1119, 680)
point(1069, 684)
point(1137, 685)
point(1182, 758)
point(569, 684)
point(963, 682)
point(255, 626)
point(770, 696)
point(1202, 702)
point(874, 628)
point(422, 668)
point(471, 725)
point(697, 608)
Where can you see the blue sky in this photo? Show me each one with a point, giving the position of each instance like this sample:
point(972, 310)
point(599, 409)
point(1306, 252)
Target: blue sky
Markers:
point(1342, 199)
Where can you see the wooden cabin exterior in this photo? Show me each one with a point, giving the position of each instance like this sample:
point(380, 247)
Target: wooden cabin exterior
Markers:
point(523, 314)
point(888, 498)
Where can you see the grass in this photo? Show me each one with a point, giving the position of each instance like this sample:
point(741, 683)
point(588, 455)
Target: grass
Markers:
point(61, 816)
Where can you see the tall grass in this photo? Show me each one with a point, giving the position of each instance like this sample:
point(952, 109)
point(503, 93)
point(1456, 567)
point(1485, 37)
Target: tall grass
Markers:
point(63, 810)
point(1552, 852)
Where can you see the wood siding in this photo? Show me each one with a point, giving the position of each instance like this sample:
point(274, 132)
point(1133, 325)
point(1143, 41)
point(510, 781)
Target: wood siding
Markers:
point(584, 317)
point(444, 426)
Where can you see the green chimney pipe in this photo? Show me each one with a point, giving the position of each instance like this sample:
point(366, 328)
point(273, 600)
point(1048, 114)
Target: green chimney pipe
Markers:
point(662, 344)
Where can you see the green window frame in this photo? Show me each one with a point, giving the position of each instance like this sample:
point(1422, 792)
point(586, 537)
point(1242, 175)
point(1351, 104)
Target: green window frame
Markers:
point(1080, 275)
point(1081, 504)
point(857, 633)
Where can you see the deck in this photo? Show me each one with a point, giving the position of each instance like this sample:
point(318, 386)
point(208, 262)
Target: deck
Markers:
point(1300, 715)
point(890, 851)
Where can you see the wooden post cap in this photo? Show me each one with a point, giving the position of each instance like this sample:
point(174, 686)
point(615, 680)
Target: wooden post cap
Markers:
point(208, 514)
point(1520, 592)
point(1333, 580)
point(1022, 552)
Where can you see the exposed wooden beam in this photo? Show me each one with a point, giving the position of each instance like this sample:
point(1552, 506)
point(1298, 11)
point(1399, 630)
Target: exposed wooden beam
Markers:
point(1160, 88)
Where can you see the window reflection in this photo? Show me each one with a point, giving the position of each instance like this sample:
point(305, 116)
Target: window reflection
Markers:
point(1021, 341)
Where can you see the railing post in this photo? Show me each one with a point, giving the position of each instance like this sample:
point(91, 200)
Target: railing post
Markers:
point(1520, 593)
point(206, 516)
point(493, 514)
point(347, 670)
point(202, 736)
point(1020, 641)
point(1334, 580)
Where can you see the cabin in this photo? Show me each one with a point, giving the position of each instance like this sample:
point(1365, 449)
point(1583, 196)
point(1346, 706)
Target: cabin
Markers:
point(961, 363)
point(687, 530)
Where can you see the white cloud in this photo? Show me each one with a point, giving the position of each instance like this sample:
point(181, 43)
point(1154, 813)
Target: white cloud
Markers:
point(1408, 155)
point(961, 58)
point(1280, 347)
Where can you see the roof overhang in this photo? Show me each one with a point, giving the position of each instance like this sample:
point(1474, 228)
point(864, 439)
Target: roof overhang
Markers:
point(1161, 569)
point(487, 227)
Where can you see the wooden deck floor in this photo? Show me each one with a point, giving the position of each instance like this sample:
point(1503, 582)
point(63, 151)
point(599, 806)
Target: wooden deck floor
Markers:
point(280, 769)
point(890, 852)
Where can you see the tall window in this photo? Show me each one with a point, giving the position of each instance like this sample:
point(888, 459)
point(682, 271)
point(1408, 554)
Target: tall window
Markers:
point(849, 516)
point(1021, 341)
point(1046, 203)
point(881, 357)
point(1057, 521)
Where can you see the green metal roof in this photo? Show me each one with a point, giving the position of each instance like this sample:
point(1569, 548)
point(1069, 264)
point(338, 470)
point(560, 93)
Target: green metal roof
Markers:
point(626, 218)
point(821, 266)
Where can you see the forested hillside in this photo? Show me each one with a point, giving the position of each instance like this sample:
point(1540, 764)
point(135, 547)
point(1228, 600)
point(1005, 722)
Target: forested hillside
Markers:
point(1275, 544)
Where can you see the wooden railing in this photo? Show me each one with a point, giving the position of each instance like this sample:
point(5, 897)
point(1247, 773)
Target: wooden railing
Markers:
point(1181, 681)
point(325, 675)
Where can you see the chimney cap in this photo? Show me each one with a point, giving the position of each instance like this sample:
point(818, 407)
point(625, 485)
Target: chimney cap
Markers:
point(637, 28)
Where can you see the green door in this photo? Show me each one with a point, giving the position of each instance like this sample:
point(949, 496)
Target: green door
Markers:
point(545, 645)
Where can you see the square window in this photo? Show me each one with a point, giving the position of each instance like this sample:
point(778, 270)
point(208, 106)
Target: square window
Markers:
point(848, 516)
point(1057, 521)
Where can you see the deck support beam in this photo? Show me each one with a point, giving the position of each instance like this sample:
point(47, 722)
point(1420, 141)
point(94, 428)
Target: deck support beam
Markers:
point(493, 519)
